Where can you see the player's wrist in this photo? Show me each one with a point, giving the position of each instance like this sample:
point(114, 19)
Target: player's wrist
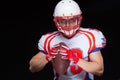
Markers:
point(75, 55)
point(76, 61)
point(48, 58)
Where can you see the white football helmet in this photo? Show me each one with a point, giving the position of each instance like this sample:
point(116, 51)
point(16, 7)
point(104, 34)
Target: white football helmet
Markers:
point(67, 17)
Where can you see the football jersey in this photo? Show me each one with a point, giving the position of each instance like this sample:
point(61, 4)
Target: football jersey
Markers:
point(87, 40)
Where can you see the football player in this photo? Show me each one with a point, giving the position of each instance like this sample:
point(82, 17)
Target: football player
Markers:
point(81, 46)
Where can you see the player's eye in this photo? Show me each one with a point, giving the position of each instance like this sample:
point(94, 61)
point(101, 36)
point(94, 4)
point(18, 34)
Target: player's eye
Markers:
point(63, 22)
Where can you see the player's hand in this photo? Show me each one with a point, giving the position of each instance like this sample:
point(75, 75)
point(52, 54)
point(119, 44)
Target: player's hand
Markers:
point(53, 52)
point(73, 55)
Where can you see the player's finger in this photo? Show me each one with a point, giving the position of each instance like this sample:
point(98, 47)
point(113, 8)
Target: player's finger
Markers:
point(63, 53)
point(54, 51)
point(65, 57)
point(56, 45)
point(65, 47)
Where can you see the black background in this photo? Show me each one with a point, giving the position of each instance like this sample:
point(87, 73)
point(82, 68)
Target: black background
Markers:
point(30, 19)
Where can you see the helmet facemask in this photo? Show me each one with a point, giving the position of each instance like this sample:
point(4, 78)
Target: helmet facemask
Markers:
point(68, 25)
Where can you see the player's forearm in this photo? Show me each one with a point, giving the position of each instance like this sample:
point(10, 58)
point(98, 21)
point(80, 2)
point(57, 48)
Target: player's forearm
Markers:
point(37, 64)
point(92, 67)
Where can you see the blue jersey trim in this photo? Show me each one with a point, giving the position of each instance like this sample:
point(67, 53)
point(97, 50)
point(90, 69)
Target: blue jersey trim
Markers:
point(97, 49)
point(43, 52)
point(87, 77)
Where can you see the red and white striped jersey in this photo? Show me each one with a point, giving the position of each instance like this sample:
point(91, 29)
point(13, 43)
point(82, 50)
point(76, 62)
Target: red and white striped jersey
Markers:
point(87, 40)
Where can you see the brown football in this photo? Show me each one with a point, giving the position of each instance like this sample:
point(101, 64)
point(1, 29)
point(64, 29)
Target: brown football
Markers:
point(60, 65)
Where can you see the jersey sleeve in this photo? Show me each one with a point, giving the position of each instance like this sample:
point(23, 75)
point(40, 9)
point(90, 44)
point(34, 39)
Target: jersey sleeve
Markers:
point(41, 44)
point(99, 40)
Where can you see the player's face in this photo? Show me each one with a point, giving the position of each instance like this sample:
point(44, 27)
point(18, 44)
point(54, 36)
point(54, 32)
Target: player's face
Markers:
point(67, 23)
